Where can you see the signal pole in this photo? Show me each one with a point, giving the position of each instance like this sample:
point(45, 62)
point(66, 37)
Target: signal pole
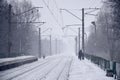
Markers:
point(9, 31)
point(40, 43)
point(56, 45)
point(76, 45)
point(78, 39)
point(83, 46)
point(50, 46)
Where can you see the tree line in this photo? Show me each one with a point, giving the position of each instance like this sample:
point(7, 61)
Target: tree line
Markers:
point(105, 41)
point(16, 25)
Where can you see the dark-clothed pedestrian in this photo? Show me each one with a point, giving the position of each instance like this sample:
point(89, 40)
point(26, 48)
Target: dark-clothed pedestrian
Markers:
point(80, 54)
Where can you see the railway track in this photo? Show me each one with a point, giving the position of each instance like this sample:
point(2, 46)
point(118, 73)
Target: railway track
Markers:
point(40, 69)
point(17, 69)
point(49, 71)
point(60, 67)
point(11, 75)
point(62, 74)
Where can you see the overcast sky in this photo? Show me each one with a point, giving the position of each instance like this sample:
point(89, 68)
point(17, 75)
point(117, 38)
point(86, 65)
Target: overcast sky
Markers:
point(57, 20)
point(56, 23)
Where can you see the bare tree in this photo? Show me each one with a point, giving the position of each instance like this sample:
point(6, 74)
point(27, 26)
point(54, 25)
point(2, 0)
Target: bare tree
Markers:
point(24, 19)
point(3, 28)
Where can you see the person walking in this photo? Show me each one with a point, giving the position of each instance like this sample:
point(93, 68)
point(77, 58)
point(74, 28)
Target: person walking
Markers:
point(80, 54)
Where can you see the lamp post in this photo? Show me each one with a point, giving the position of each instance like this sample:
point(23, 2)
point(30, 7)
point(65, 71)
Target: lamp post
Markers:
point(94, 24)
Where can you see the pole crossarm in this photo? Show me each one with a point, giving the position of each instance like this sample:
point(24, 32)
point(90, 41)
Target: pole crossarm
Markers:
point(73, 9)
point(27, 11)
point(85, 9)
point(74, 25)
point(71, 14)
point(46, 35)
point(27, 22)
point(40, 24)
point(91, 11)
point(70, 36)
point(91, 14)
point(91, 8)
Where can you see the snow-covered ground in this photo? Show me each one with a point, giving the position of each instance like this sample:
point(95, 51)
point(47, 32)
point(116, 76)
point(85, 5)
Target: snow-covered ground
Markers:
point(85, 70)
point(57, 67)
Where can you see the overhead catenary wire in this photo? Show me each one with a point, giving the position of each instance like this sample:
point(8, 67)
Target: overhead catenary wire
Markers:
point(60, 13)
point(58, 9)
point(91, 11)
point(72, 14)
point(56, 4)
point(51, 12)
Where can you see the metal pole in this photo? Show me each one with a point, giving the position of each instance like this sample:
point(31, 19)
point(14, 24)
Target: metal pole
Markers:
point(40, 43)
point(56, 45)
point(83, 30)
point(76, 45)
point(9, 32)
point(78, 39)
point(59, 46)
point(50, 45)
point(20, 45)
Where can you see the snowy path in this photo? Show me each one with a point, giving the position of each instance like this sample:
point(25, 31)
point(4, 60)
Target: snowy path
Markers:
point(85, 70)
point(56, 68)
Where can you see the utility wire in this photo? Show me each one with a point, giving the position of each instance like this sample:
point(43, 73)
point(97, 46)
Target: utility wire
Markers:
point(72, 14)
point(51, 12)
point(62, 20)
point(56, 4)
point(61, 16)
point(60, 12)
point(90, 11)
point(58, 9)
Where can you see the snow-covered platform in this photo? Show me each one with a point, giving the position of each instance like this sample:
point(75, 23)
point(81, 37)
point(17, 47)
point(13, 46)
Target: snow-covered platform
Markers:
point(85, 70)
point(7, 63)
point(56, 68)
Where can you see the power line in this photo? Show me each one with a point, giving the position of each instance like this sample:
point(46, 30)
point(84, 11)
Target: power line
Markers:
point(27, 11)
point(60, 13)
point(91, 11)
point(56, 4)
point(51, 12)
point(72, 14)
point(57, 7)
